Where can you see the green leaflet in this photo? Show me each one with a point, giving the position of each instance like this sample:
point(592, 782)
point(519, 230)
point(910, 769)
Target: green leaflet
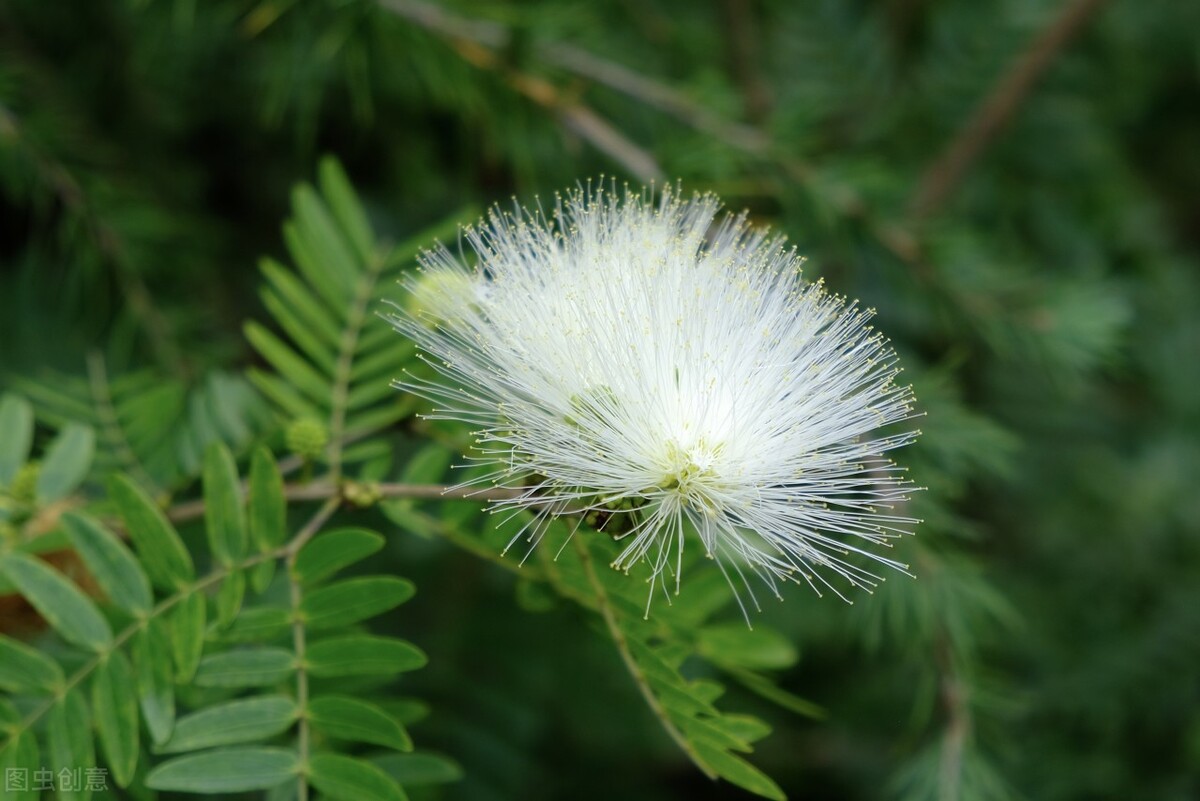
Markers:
point(738, 771)
point(26, 670)
point(353, 600)
point(115, 707)
point(349, 718)
point(333, 550)
point(233, 770)
point(66, 462)
point(69, 738)
point(243, 721)
point(115, 569)
point(223, 517)
point(186, 630)
point(418, 769)
point(20, 754)
point(155, 672)
point(68, 611)
point(253, 667)
point(363, 655)
point(347, 779)
point(266, 506)
point(163, 555)
point(737, 645)
point(16, 435)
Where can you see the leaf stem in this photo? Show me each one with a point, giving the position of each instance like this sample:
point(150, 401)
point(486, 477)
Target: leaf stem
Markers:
point(631, 664)
point(299, 639)
point(340, 392)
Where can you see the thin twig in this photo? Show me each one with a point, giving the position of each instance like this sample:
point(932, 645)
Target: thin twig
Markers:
point(572, 114)
point(583, 64)
point(322, 490)
point(943, 177)
point(631, 664)
point(743, 46)
point(472, 36)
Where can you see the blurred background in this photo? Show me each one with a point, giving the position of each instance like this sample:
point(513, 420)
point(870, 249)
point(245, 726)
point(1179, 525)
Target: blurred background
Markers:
point(1014, 185)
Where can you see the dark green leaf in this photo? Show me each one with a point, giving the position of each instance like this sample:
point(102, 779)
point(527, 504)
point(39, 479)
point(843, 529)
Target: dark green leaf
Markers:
point(116, 709)
point(187, 635)
point(162, 553)
point(69, 738)
point(66, 463)
point(26, 670)
point(328, 553)
point(257, 667)
point(363, 655)
point(223, 517)
point(152, 665)
point(351, 719)
point(58, 601)
point(347, 779)
point(243, 721)
point(233, 770)
point(419, 769)
point(353, 600)
point(115, 569)
point(16, 435)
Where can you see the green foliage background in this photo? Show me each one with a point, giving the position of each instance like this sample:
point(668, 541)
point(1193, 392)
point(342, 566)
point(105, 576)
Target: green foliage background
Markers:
point(1044, 306)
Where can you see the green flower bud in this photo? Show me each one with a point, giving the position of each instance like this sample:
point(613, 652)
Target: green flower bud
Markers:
point(307, 438)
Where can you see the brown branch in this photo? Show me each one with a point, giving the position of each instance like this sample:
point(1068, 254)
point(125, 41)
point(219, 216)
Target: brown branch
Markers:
point(480, 39)
point(572, 114)
point(320, 491)
point(943, 177)
point(743, 46)
point(583, 64)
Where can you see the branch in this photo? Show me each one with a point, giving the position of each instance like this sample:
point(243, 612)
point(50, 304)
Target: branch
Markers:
point(480, 43)
point(323, 490)
point(583, 64)
point(943, 177)
point(476, 39)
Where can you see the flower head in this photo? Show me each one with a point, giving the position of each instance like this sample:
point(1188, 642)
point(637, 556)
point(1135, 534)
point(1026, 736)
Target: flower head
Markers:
point(628, 355)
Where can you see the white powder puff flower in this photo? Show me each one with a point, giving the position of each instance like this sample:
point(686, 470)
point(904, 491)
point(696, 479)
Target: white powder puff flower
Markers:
point(629, 356)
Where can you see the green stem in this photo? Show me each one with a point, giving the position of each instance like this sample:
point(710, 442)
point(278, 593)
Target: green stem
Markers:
point(299, 640)
point(631, 664)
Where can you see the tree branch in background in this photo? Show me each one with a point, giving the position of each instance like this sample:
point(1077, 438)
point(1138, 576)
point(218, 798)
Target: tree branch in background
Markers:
point(943, 177)
point(743, 46)
point(480, 43)
point(481, 39)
